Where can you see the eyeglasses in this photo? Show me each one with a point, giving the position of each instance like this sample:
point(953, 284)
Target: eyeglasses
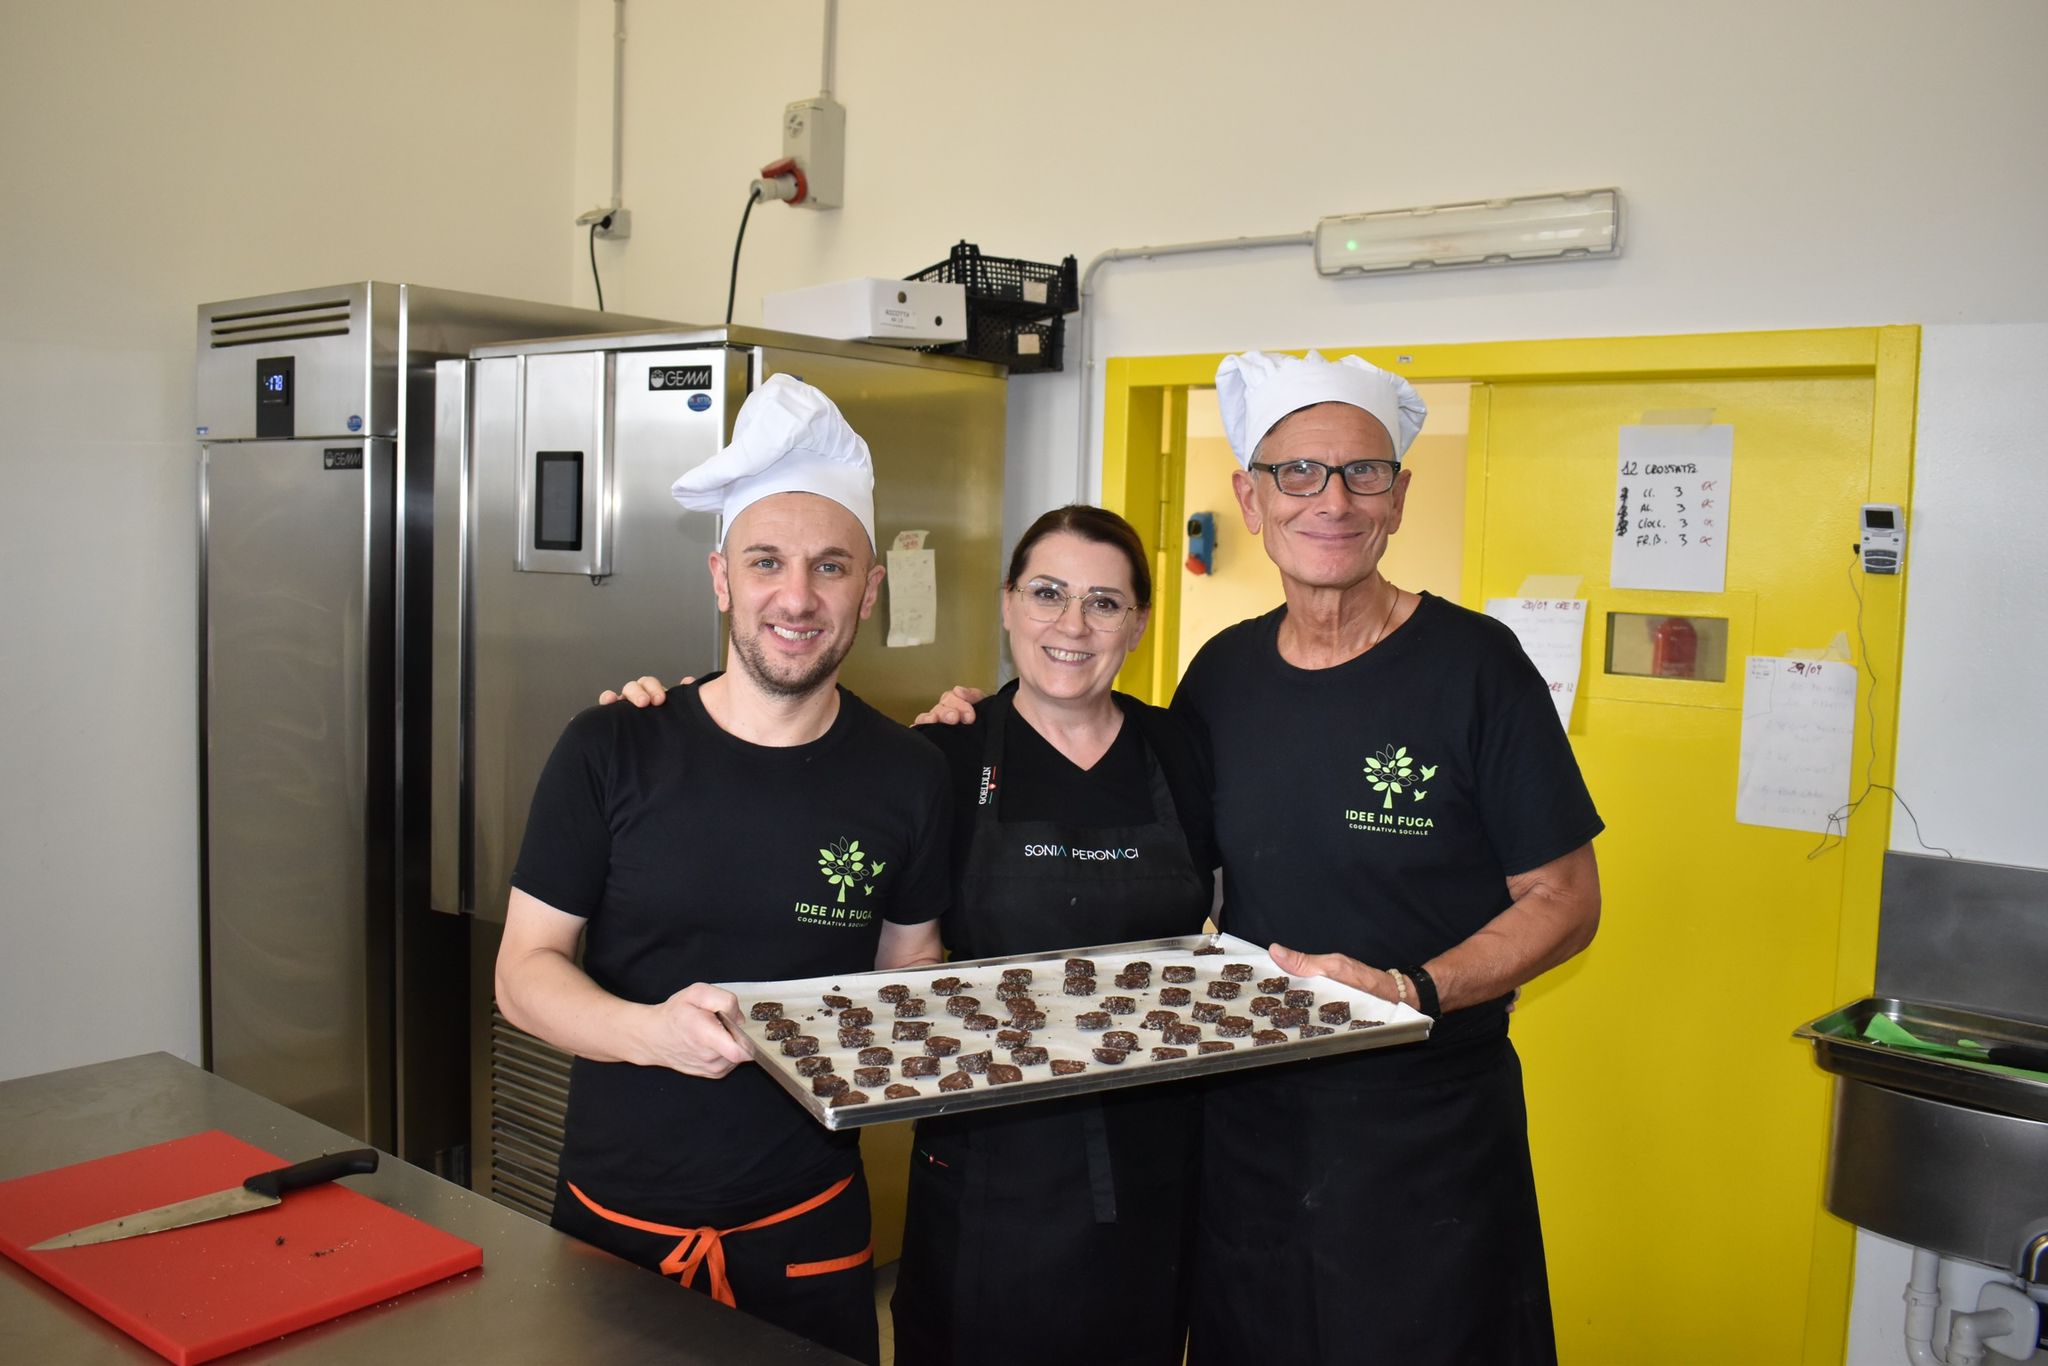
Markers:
point(1307, 478)
point(1046, 604)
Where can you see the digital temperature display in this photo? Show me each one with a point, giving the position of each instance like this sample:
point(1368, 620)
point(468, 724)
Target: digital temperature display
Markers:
point(274, 414)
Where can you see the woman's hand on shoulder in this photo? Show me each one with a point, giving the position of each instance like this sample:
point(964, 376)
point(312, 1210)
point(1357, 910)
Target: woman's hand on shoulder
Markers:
point(956, 708)
point(644, 691)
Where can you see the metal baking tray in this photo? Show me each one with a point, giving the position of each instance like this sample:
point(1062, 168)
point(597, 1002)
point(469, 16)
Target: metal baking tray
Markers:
point(802, 1000)
point(1839, 1047)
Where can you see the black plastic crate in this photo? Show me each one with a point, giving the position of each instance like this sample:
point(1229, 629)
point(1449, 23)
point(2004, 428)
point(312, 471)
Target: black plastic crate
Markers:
point(1006, 285)
point(1028, 346)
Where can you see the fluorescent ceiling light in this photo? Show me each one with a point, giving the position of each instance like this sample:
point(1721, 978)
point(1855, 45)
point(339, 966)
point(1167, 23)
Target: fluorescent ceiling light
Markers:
point(1583, 224)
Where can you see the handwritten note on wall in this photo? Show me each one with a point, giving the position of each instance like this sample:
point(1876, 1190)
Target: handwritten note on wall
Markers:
point(1798, 723)
point(1553, 635)
point(913, 580)
point(1671, 508)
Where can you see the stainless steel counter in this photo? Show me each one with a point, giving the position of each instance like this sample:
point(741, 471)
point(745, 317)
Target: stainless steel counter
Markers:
point(539, 1297)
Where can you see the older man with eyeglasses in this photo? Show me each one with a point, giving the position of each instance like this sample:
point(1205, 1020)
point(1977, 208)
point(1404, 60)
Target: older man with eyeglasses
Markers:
point(1397, 808)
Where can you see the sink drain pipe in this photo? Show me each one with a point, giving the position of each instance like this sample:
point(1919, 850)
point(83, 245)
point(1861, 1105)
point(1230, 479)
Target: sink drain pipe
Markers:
point(1968, 1334)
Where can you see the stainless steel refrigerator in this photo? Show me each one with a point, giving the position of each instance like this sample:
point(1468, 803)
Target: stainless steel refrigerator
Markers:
point(570, 568)
point(329, 984)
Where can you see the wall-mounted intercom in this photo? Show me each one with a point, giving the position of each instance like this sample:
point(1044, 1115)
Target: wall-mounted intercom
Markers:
point(1884, 538)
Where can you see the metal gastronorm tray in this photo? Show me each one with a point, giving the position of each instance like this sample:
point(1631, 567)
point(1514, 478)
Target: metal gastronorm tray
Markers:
point(802, 1001)
point(1839, 1047)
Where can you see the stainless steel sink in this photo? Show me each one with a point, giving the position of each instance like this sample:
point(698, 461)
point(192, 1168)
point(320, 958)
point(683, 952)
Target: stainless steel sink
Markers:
point(1935, 1152)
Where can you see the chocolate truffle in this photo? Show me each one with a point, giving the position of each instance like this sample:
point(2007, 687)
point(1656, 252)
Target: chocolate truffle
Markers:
point(1216, 1046)
point(1288, 1017)
point(1177, 972)
point(1012, 1038)
point(1067, 1067)
point(1174, 996)
point(921, 1067)
point(1133, 981)
point(984, 1023)
point(1266, 1036)
point(766, 1010)
point(1012, 991)
point(1019, 975)
point(955, 1081)
point(893, 993)
point(1265, 1005)
point(1298, 998)
point(1180, 1033)
point(876, 1057)
point(898, 1091)
point(1314, 1031)
point(1002, 1074)
point(1168, 1054)
point(779, 1030)
point(1365, 1024)
point(856, 1038)
point(1110, 1056)
point(1078, 986)
point(1206, 950)
point(1237, 972)
point(975, 1062)
point(964, 1005)
point(939, 1046)
point(1120, 1005)
point(1158, 1019)
point(910, 1031)
point(849, 1098)
point(1208, 1012)
point(1223, 991)
point(1272, 986)
point(1080, 967)
point(857, 1015)
point(910, 1008)
point(945, 986)
point(1334, 1012)
point(837, 1002)
point(827, 1084)
point(1120, 1038)
point(813, 1066)
point(1028, 1019)
point(1233, 1026)
point(1028, 1056)
point(870, 1076)
point(800, 1046)
point(1092, 1019)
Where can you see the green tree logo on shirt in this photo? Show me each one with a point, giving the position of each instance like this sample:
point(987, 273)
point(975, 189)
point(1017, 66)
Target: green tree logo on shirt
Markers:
point(1394, 771)
point(844, 865)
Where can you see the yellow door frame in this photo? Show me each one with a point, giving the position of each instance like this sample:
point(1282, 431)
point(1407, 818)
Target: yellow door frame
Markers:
point(1143, 474)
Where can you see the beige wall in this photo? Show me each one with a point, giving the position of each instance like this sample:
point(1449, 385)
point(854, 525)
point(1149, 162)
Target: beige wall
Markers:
point(153, 156)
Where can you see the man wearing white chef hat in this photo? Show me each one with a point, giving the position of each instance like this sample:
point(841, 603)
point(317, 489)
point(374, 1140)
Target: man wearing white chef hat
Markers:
point(1395, 797)
point(1393, 794)
point(742, 835)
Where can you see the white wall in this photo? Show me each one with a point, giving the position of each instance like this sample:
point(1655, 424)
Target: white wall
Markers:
point(155, 156)
point(1972, 741)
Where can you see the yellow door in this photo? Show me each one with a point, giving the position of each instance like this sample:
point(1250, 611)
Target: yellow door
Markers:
point(1679, 1135)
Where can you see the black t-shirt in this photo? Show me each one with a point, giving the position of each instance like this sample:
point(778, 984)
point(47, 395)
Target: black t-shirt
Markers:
point(1041, 784)
point(1378, 807)
point(698, 857)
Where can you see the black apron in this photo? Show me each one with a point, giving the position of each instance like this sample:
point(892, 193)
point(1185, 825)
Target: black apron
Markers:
point(1080, 1208)
point(1344, 1224)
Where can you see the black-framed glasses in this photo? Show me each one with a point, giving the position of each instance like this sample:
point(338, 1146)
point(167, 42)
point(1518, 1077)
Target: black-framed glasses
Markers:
point(1307, 478)
point(1045, 604)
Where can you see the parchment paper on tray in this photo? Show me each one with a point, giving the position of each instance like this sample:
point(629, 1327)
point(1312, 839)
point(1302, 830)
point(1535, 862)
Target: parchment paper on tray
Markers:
point(869, 1047)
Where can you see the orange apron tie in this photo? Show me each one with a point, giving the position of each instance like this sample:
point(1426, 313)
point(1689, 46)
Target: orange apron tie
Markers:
point(703, 1247)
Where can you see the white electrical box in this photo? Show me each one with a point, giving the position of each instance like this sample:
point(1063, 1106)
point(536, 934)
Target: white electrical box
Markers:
point(897, 312)
point(814, 137)
point(1884, 538)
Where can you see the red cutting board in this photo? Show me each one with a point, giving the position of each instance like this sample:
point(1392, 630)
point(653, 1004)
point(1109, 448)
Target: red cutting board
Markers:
point(193, 1294)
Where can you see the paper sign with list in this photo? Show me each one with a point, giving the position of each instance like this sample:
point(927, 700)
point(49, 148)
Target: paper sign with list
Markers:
point(1553, 635)
point(1798, 723)
point(1671, 508)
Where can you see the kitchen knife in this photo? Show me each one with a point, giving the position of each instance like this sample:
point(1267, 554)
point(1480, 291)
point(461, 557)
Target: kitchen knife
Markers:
point(260, 1191)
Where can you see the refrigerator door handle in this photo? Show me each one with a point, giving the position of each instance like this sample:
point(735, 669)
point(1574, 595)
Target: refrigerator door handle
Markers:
point(449, 882)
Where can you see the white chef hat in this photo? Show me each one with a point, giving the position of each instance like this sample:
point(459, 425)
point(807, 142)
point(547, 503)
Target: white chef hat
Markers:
point(788, 438)
point(1256, 390)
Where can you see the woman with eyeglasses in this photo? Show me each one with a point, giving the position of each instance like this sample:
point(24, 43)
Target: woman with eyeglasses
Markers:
point(1082, 817)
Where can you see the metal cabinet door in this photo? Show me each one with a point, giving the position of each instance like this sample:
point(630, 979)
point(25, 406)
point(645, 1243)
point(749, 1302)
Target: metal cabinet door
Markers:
point(298, 774)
